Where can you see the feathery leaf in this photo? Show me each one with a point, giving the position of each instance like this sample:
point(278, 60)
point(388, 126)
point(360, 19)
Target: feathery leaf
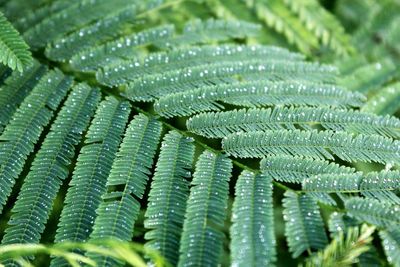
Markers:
point(201, 243)
point(252, 232)
point(168, 195)
point(391, 244)
point(314, 144)
point(22, 133)
point(126, 183)
point(304, 228)
point(93, 166)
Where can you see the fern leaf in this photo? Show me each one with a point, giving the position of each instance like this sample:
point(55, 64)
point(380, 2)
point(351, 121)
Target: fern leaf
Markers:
point(89, 179)
point(168, 195)
point(255, 94)
point(304, 228)
point(50, 167)
point(155, 85)
point(22, 133)
point(372, 211)
point(188, 56)
point(15, 88)
point(201, 243)
point(296, 169)
point(221, 124)
point(386, 101)
point(369, 77)
point(67, 20)
point(117, 213)
point(340, 222)
point(211, 30)
point(380, 185)
point(101, 31)
point(14, 52)
point(391, 245)
point(314, 144)
point(110, 53)
point(275, 14)
point(253, 239)
point(323, 24)
point(344, 250)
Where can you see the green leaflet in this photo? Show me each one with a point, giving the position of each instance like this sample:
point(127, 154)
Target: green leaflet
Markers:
point(374, 212)
point(100, 31)
point(344, 250)
point(252, 232)
point(50, 167)
point(221, 124)
point(126, 183)
point(314, 144)
point(66, 19)
point(14, 52)
point(304, 228)
point(93, 166)
point(380, 185)
point(112, 52)
point(23, 131)
point(386, 101)
point(211, 30)
point(15, 88)
point(188, 56)
point(323, 24)
point(391, 244)
point(296, 169)
point(154, 85)
point(201, 242)
point(168, 195)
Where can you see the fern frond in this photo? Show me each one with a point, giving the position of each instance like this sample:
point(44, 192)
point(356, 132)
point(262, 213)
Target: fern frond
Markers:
point(369, 77)
point(189, 56)
point(252, 232)
point(15, 88)
point(98, 32)
point(93, 166)
point(380, 185)
point(72, 17)
point(201, 242)
point(168, 195)
point(314, 144)
point(374, 212)
point(304, 228)
point(23, 131)
point(14, 52)
point(279, 17)
point(50, 167)
point(126, 183)
point(391, 245)
point(255, 94)
point(296, 169)
point(340, 222)
point(114, 51)
point(344, 251)
point(151, 86)
point(211, 30)
point(323, 24)
point(386, 101)
point(221, 124)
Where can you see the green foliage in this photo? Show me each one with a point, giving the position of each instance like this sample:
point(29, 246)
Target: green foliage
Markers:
point(304, 227)
point(344, 250)
point(253, 240)
point(201, 242)
point(168, 195)
point(14, 51)
point(126, 183)
point(324, 124)
point(93, 166)
point(50, 167)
